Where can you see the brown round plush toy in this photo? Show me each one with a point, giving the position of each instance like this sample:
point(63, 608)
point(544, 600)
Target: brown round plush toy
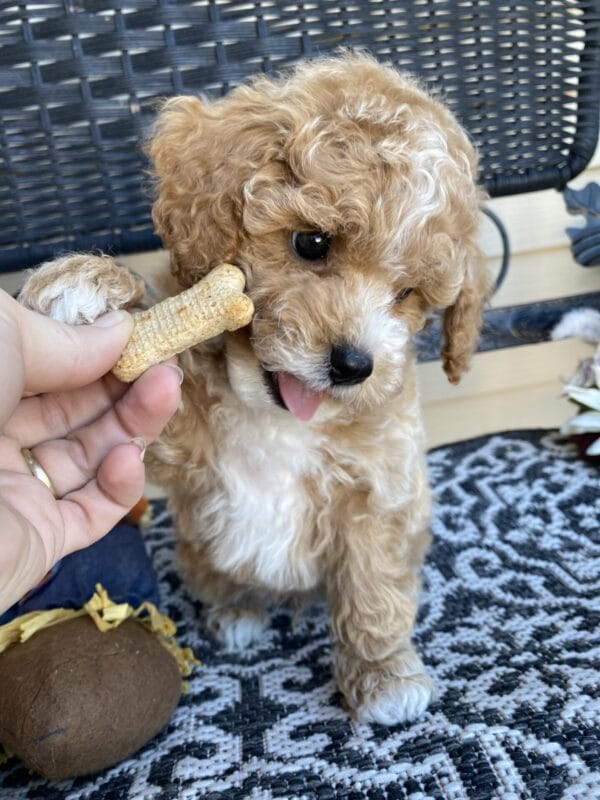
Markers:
point(88, 677)
point(75, 700)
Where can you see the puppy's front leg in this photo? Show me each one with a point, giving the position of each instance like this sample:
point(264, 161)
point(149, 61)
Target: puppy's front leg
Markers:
point(372, 589)
point(80, 287)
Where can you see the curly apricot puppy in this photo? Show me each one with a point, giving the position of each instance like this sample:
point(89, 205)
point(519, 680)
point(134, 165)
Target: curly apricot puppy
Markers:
point(347, 195)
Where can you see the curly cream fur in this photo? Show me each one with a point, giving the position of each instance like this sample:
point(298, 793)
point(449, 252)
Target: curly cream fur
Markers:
point(268, 507)
point(79, 288)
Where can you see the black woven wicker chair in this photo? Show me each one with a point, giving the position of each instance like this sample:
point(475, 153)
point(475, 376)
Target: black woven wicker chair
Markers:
point(79, 83)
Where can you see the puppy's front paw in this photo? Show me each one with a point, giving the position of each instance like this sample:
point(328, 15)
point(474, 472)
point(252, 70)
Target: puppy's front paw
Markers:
point(393, 691)
point(235, 628)
point(403, 700)
point(79, 288)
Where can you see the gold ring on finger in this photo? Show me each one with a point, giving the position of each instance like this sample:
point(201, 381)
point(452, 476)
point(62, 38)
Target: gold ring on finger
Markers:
point(37, 470)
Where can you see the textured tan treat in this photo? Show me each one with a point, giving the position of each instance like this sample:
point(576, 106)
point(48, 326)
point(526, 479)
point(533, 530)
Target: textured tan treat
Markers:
point(214, 305)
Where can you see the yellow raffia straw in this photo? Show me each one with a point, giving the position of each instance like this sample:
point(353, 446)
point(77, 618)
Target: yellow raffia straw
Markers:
point(106, 615)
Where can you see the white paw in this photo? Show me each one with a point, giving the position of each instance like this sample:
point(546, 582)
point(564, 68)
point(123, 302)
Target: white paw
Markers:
point(76, 305)
point(236, 629)
point(405, 700)
point(79, 288)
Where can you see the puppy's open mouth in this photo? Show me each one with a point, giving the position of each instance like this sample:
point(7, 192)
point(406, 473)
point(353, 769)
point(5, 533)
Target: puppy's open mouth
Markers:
point(294, 395)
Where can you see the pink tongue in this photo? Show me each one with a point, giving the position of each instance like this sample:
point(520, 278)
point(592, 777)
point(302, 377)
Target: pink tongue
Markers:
point(301, 401)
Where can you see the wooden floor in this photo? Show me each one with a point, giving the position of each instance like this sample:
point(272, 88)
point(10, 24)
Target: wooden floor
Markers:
point(504, 390)
point(518, 387)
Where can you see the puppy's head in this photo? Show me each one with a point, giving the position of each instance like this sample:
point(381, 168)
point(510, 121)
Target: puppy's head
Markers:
point(347, 194)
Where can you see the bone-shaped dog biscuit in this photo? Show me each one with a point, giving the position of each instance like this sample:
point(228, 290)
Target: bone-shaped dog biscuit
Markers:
point(214, 305)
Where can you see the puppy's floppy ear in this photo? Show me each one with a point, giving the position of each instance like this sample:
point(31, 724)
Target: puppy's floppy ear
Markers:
point(197, 209)
point(462, 320)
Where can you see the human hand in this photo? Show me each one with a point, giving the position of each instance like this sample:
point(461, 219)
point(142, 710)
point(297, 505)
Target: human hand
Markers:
point(58, 400)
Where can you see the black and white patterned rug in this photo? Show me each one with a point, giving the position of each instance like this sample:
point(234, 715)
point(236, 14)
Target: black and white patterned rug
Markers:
point(509, 627)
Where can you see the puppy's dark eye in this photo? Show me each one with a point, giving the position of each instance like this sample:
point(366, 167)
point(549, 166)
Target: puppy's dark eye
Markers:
point(312, 246)
point(402, 294)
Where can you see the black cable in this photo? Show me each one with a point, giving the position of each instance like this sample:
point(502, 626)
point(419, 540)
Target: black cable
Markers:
point(505, 246)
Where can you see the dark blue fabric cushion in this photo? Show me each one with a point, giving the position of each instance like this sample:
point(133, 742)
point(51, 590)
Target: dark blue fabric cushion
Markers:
point(118, 561)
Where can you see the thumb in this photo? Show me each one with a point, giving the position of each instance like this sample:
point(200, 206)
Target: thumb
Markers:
point(58, 357)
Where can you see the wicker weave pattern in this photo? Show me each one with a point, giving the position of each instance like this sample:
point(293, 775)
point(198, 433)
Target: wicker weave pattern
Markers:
point(79, 81)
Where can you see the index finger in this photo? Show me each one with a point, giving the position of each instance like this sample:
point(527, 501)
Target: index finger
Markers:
point(54, 415)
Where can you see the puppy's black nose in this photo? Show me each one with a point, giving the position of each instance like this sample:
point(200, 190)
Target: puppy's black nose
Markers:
point(348, 366)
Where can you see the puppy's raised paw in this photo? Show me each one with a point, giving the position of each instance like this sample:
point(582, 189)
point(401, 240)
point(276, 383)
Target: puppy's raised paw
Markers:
point(79, 288)
point(235, 628)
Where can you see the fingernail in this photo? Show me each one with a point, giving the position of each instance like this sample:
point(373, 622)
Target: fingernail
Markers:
point(139, 442)
point(111, 319)
point(178, 370)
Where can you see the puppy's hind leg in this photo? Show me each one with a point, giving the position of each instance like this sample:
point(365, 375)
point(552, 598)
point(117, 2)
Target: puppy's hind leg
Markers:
point(235, 615)
point(236, 627)
point(79, 288)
